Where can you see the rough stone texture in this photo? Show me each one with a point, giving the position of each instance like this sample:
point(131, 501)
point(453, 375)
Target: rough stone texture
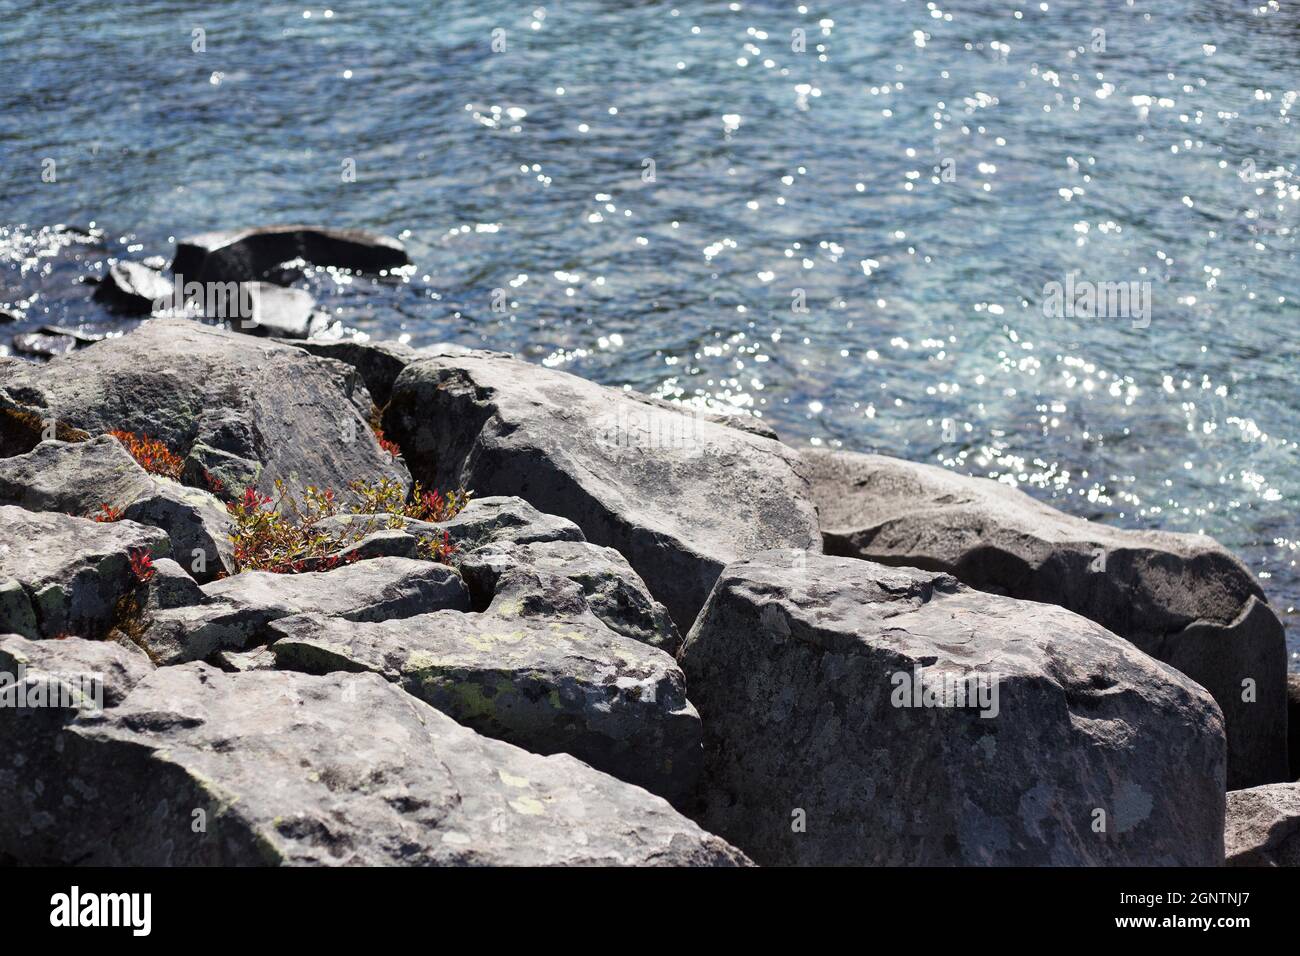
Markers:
point(338, 770)
point(70, 572)
point(237, 610)
point(483, 521)
point(1183, 599)
point(59, 678)
point(1293, 722)
point(378, 363)
point(797, 677)
point(679, 496)
point(249, 254)
point(133, 288)
point(1263, 826)
point(536, 669)
point(612, 589)
point(79, 477)
point(246, 410)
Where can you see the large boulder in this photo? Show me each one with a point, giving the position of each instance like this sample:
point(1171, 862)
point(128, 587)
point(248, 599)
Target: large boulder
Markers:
point(44, 686)
point(677, 494)
point(536, 669)
point(239, 409)
point(1263, 826)
point(861, 714)
point(253, 254)
point(201, 767)
point(1181, 598)
point(235, 612)
point(61, 575)
point(80, 478)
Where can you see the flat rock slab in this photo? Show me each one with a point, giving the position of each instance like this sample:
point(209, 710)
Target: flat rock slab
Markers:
point(236, 611)
point(78, 478)
point(547, 684)
point(613, 591)
point(1263, 826)
point(835, 732)
point(61, 575)
point(677, 494)
point(253, 254)
point(1182, 598)
point(346, 769)
point(243, 410)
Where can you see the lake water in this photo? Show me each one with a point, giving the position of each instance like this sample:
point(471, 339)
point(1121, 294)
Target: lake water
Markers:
point(848, 231)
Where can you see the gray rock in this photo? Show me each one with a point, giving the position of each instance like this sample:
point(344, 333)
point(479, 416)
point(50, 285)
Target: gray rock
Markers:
point(71, 571)
point(292, 769)
point(1263, 826)
point(1181, 598)
point(1293, 722)
point(44, 685)
point(823, 744)
point(252, 254)
point(482, 521)
point(133, 288)
point(79, 477)
point(545, 681)
point(277, 311)
point(612, 589)
point(42, 344)
point(378, 363)
point(679, 496)
point(237, 610)
point(244, 409)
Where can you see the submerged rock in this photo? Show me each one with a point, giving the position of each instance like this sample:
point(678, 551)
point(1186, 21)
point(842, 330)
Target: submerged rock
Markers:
point(42, 344)
point(1181, 598)
point(678, 495)
point(254, 254)
point(861, 714)
point(1263, 826)
point(345, 769)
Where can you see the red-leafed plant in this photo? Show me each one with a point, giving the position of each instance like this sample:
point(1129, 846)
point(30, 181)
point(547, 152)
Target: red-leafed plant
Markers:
point(107, 513)
point(141, 564)
point(152, 455)
point(283, 534)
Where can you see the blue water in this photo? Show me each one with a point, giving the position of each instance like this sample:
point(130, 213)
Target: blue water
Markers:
point(920, 172)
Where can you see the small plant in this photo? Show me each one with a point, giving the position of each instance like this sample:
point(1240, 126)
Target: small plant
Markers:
point(141, 564)
point(440, 551)
point(106, 513)
point(214, 484)
point(282, 535)
point(152, 455)
point(387, 444)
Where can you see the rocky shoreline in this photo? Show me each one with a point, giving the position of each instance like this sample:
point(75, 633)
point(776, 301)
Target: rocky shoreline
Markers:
point(650, 636)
